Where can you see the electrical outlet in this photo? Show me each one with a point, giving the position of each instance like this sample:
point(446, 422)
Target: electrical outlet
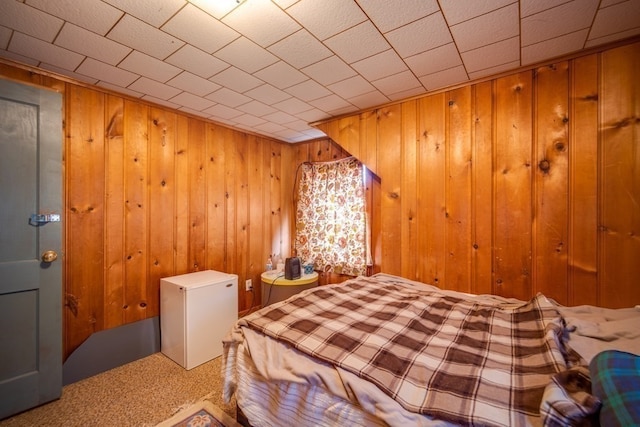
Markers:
point(247, 284)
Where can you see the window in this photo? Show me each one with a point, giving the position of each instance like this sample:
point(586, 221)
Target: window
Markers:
point(331, 217)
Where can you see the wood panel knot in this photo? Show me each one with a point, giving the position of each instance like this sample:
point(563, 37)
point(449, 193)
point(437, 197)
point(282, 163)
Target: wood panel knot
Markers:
point(393, 195)
point(71, 301)
point(475, 246)
point(143, 304)
point(560, 146)
point(544, 165)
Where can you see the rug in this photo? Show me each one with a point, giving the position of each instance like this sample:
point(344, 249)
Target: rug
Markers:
point(201, 414)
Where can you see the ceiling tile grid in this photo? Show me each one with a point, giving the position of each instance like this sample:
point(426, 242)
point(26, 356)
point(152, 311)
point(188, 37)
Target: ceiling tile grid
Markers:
point(271, 67)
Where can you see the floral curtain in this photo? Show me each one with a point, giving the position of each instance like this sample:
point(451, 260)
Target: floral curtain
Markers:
point(331, 226)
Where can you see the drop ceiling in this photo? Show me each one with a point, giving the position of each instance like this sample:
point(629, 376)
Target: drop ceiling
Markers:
point(271, 67)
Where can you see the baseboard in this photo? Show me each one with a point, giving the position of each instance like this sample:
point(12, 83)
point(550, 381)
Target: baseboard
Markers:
point(111, 348)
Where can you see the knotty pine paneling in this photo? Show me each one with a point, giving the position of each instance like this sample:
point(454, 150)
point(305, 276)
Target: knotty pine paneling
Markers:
point(151, 193)
point(619, 196)
point(526, 183)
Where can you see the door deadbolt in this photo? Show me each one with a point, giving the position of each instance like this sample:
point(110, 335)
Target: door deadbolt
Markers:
point(49, 256)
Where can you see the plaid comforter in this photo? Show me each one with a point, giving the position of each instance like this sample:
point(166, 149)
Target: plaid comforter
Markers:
point(457, 359)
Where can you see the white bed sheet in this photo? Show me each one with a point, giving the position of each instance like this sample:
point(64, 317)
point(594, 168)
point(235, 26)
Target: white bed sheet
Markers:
point(276, 385)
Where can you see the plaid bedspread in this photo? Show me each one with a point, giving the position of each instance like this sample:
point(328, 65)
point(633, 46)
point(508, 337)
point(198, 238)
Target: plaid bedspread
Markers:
point(464, 361)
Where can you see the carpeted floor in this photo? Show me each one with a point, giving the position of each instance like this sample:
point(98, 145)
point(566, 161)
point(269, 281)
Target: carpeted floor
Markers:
point(142, 393)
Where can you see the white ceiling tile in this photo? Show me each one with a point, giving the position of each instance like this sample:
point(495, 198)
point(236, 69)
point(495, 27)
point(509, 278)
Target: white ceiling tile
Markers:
point(141, 36)
point(564, 19)
point(327, 17)
point(200, 29)
point(246, 55)
point(193, 84)
point(456, 12)
point(285, 3)
point(223, 111)
point(351, 87)
point(406, 94)
point(281, 75)
point(217, 9)
point(93, 15)
point(486, 29)
point(330, 103)
point(312, 115)
point(267, 94)
point(193, 112)
point(79, 40)
point(123, 90)
point(434, 60)
point(191, 101)
point(5, 36)
point(77, 76)
point(530, 7)
point(236, 80)
point(228, 97)
point(444, 78)
point(257, 108)
point(358, 42)
point(105, 72)
point(29, 20)
point(196, 61)
point(380, 65)
point(368, 100)
point(19, 58)
point(293, 106)
point(45, 52)
point(154, 88)
point(308, 90)
point(261, 21)
point(154, 12)
point(145, 65)
point(248, 120)
point(424, 34)
point(397, 83)
point(619, 17)
point(344, 110)
point(270, 127)
point(159, 101)
point(554, 47)
point(315, 133)
point(403, 12)
point(492, 55)
point(329, 71)
point(280, 117)
point(290, 135)
point(607, 3)
point(300, 49)
point(298, 125)
point(494, 70)
point(612, 38)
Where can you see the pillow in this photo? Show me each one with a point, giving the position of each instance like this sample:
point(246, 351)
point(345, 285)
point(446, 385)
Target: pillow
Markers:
point(615, 380)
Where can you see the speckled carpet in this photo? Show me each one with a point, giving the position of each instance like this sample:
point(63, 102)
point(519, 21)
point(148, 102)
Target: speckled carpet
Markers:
point(142, 393)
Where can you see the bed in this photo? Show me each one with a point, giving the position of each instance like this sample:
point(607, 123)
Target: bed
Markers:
point(384, 350)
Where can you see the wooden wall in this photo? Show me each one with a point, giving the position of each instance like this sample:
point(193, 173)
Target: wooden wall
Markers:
point(522, 184)
point(525, 183)
point(151, 192)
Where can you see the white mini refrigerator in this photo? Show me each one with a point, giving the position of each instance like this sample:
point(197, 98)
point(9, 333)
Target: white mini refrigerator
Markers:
point(196, 312)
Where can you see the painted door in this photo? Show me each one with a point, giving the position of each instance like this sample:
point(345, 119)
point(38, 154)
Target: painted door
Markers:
point(30, 247)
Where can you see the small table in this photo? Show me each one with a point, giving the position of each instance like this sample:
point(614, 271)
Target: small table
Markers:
point(276, 288)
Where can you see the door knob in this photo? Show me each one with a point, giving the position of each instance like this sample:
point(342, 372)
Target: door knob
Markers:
point(49, 256)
